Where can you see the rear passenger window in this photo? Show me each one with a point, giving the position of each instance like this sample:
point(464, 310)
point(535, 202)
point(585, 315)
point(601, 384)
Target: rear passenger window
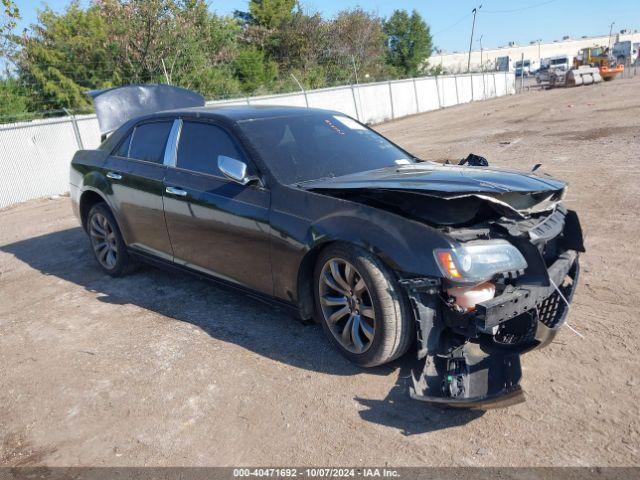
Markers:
point(149, 141)
point(201, 144)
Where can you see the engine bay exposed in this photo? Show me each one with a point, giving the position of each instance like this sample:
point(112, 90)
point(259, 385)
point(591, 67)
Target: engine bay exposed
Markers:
point(471, 337)
point(456, 210)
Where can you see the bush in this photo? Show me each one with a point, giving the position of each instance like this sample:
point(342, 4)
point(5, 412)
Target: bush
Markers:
point(253, 70)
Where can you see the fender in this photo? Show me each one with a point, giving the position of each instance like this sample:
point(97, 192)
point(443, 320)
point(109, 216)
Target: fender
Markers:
point(96, 181)
point(398, 242)
point(309, 221)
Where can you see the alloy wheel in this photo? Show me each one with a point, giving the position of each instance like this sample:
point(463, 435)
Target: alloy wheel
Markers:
point(346, 305)
point(103, 240)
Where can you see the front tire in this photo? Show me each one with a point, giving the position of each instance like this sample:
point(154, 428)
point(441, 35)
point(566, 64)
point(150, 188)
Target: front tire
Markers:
point(107, 243)
point(361, 306)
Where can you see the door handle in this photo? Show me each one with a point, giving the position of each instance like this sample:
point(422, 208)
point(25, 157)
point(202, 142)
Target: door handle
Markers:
point(176, 191)
point(114, 176)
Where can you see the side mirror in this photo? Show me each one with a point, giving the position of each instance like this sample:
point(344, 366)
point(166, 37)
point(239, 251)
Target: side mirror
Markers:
point(235, 170)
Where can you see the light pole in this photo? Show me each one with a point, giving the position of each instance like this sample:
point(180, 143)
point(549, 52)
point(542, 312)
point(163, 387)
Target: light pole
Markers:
point(539, 56)
point(484, 86)
point(473, 26)
point(610, 31)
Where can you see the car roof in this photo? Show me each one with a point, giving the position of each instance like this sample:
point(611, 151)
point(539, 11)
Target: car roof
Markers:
point(245, 112)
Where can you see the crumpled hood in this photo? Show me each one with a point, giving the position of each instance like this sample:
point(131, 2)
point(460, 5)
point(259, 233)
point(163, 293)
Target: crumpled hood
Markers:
point(456, 193)
point(443, 179)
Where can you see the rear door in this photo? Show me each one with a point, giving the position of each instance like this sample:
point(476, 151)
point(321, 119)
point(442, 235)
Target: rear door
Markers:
point(136, 172)
point(217, 225)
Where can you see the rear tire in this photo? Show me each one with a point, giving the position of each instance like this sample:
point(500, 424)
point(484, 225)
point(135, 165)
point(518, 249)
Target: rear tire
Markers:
point(107, 243)
point(361, 306)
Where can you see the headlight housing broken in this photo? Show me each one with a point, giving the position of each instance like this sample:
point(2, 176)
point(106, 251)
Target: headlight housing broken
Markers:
point(476, 262)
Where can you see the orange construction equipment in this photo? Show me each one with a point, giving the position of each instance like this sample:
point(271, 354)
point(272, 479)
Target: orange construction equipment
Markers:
point(598, 57)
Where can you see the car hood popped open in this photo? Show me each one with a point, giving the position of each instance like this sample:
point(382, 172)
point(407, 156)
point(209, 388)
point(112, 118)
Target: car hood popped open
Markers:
point(457, 189)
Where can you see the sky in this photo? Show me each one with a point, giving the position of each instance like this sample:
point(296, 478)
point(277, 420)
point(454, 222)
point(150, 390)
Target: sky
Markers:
point(498, 21)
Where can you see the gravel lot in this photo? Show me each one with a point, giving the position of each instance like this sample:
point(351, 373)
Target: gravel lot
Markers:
point(164, 369)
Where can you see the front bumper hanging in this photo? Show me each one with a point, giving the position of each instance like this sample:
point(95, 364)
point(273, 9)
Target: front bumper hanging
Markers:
point(480, 366)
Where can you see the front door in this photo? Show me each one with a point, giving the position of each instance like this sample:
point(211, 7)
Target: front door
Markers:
point(216, 225)
point(136, 172)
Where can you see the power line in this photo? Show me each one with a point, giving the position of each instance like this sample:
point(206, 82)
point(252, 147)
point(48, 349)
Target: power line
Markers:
point(520, 9)
point(457, 22)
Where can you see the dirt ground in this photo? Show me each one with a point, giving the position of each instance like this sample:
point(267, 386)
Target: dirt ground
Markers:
point(163, 369)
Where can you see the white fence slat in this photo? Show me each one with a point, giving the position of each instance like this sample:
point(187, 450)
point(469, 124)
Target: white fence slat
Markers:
point(35, 156)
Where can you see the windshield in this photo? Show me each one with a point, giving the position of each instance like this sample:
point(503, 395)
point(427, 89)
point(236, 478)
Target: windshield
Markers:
point(559, 61)
point(319, 145)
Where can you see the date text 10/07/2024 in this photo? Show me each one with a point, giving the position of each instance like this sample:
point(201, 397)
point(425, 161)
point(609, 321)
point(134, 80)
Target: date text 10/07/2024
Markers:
point(316, 472)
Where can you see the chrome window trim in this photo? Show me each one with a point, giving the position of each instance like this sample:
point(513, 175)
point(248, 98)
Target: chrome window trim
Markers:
point(171, 150)
point(133, 134)
point(137, 160)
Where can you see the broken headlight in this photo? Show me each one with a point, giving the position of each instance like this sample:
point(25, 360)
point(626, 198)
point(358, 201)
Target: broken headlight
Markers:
point(479, 261)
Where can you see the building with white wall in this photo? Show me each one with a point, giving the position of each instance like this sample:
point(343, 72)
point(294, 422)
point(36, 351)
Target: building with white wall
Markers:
point(534, 51)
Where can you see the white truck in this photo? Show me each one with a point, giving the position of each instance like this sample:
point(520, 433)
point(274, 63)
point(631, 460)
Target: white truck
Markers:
point(548, 65)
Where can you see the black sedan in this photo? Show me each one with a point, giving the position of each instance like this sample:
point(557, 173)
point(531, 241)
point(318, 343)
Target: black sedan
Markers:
point(318, 212)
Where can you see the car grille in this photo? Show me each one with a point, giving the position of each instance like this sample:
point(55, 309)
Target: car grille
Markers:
point(552, 309)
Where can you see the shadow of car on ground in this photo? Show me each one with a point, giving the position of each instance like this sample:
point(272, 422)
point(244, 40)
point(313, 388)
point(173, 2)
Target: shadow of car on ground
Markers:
point(232, 316)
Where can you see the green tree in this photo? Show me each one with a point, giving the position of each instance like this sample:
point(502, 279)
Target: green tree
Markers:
point(299, 42)
point(356, 40)
point(253, 70)
point(12, 100)
point(271, 13)
point(145, 33)
point(8, 16)
point(65, 55)
point(216, 82)
point(409, 41)
point(169, 40)
point(358, 33)
point(115, 42)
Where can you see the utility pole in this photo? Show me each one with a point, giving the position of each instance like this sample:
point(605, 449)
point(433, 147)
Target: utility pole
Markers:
point(539, 56)
point(522, 72)
point(484, 87)
point(610, 32)
point(473, 27)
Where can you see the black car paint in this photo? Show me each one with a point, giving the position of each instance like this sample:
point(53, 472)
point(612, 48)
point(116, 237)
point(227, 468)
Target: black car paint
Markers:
point(444, 179)
point(264, 236)
point(217, 225)
point(282, 223)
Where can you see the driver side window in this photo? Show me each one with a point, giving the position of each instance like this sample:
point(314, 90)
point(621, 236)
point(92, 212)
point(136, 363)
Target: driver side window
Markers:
point(201, 144)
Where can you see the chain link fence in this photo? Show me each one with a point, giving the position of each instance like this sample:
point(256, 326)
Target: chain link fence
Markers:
point(630, 71)
point(35, 154)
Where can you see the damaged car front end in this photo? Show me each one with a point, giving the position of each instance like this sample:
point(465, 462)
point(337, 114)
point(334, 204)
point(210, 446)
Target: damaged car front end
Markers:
point(503, 287)
point(315, 211)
